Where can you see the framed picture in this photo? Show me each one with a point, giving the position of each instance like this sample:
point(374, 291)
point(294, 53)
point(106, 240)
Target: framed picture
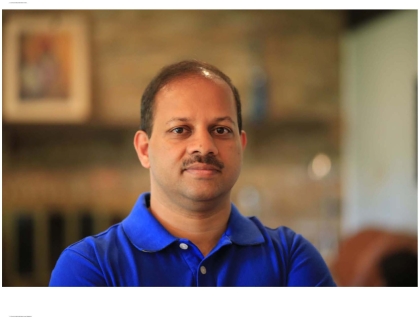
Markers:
point(46, 69)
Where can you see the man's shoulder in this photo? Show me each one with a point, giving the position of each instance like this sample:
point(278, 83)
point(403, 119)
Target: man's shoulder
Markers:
point(282, 236)
point(296, 251)
point(279, 232)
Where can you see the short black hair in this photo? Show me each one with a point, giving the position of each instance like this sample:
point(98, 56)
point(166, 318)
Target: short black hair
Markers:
point(174, 71)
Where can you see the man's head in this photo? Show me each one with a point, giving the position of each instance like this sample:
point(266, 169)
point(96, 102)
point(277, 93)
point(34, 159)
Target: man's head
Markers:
point(176, 71)
point(195, 152)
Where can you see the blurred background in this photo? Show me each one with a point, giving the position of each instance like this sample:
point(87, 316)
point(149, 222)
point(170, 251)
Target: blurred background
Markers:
point(329, 104)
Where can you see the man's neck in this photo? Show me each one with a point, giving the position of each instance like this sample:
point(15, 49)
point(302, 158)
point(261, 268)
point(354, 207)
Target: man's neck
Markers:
point(203, 226)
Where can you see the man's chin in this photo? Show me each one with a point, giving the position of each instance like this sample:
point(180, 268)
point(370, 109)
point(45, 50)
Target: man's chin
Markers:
point(202, 196)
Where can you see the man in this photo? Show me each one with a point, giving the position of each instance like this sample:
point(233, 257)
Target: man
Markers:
point(186, 231)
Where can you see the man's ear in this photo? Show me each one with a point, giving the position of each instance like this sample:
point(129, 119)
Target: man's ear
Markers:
point(243, 139)
point(141, 147)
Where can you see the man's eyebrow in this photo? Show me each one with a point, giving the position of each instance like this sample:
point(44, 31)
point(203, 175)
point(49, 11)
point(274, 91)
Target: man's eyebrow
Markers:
point(184, 119)
point(220, 119)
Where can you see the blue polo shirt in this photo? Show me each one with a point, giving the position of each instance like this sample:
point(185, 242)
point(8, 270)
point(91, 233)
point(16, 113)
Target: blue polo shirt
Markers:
point(139, 251)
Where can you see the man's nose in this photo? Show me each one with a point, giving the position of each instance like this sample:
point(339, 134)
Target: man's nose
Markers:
point(202, 142)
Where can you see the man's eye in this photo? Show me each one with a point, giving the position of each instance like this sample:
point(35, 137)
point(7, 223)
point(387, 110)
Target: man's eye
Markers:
point(178, 130)
point(222, 130)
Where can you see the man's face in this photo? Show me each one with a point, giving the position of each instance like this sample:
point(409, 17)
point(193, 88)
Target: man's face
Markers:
point(195, 151)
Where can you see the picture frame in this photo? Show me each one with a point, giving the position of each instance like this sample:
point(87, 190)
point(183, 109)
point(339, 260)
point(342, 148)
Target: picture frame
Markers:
point(46, 69)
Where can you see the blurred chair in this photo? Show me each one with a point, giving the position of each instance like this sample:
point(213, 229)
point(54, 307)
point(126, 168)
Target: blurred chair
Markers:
point(377, 258)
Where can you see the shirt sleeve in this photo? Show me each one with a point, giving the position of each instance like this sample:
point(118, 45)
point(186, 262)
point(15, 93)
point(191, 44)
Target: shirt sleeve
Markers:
point(75, 270)
point(307, 267)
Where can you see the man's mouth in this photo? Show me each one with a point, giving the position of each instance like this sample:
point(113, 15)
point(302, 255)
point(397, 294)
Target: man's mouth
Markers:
point(201, 169)
point(202, 166)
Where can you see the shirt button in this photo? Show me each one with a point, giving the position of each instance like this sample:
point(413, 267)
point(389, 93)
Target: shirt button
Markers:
point(183, 246)
point(203, 270)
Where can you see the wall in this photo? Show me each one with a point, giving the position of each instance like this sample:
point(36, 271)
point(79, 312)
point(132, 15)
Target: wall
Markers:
point(379, 97)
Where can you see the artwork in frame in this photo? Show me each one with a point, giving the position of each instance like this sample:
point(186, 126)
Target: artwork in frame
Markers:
point(46, 69)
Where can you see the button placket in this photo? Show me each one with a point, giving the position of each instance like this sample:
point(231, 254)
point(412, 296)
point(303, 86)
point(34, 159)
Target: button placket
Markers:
point(191, 256)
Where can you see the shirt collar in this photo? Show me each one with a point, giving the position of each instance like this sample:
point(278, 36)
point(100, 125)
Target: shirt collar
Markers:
point(147, 234)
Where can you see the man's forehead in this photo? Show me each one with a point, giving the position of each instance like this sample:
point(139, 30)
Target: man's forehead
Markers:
point(196, 88)
point(180, 100)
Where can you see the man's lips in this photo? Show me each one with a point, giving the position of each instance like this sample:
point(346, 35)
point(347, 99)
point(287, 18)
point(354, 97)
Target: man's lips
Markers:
point(202, 169)
point(202, 166)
